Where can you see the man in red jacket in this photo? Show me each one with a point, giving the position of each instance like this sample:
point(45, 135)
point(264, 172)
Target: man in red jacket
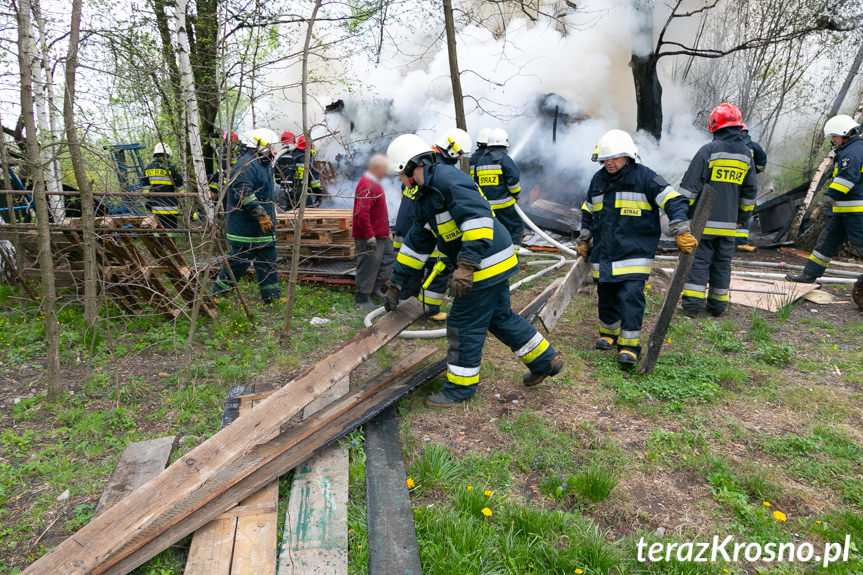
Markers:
point(371, 231)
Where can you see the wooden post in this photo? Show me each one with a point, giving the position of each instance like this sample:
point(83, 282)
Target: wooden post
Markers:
point(703, 207)
point(454, 73)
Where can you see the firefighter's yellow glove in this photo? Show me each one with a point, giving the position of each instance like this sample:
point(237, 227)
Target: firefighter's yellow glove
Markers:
point(461, 281)
point(686, 242)
point(581, 249)
point(266, 223)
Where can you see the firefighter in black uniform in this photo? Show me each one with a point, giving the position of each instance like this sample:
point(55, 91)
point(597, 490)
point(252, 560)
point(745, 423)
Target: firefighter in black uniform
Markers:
point(451, 146)
point(726, 164)
point(250, 214)
point(481, 146)
point(759, 157)
point(843, 198)
point(621, 217)
point(454, 218)
point(161, 177)
point(291, 167)
point(498, 178)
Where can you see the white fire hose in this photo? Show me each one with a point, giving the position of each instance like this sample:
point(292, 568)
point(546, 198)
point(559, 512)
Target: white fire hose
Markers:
point(552, 265)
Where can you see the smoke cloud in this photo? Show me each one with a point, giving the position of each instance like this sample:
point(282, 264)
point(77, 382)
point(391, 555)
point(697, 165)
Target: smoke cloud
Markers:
point(515, 77)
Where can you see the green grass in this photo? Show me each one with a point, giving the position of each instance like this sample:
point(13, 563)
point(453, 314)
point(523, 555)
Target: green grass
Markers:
point(435, 468)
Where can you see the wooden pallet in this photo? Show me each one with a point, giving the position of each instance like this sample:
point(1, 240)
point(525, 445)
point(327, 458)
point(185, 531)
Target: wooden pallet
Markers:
point(136, 268)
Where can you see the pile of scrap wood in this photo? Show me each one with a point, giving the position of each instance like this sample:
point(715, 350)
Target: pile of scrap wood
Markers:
point(325, 234)
point(138, 264)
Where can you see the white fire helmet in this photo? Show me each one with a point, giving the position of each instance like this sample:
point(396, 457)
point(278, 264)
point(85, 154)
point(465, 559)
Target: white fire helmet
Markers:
point(403, 149)
point(161, 149)
point(498, 137)
point(615, 144)
point(482, 136)
point(841, 125)
point(259, 137)
point(454, 143)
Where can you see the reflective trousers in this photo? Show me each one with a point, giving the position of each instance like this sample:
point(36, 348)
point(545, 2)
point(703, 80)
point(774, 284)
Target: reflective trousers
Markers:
point(841, 227)
point(264, 260)
point(486, 310)
point(712, 267)
point(621, 311)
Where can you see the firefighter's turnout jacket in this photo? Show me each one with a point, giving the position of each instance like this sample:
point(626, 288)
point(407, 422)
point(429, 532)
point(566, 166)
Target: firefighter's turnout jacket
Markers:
point(454, 218)
point(250, 195)
point(727, 164)
point(161, 177)
point(846, 223)
point(499, 180)
point(622, 213)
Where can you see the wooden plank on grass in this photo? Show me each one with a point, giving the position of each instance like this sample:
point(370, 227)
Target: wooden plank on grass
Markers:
point(703, 206)
point(212, 545)
point(256, 537)
point(296, 444)
point(553, 310)
point(140, 462)
point(209, 470)
point(241, 541)
point(315, 540)
point(393, 548)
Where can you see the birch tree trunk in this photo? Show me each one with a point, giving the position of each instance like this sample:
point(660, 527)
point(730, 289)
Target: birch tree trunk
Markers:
point(44, 107)
point(46, 264)
point(91, 279)
point(187, 81)
point(307, 158)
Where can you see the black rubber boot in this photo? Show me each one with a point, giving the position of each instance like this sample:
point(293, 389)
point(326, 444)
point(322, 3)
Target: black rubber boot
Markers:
point(604, 343)
point(441, 401)
point(532, 379)
point(801, 278)
point(627, 357)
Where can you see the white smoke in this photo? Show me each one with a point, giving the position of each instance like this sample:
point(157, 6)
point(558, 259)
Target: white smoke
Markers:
point(505, 77)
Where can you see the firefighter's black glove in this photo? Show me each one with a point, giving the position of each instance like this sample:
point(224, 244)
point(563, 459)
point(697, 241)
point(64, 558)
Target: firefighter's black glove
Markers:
point(391, 297)
point(266, 223)
point(372, 243)
point(461, 281)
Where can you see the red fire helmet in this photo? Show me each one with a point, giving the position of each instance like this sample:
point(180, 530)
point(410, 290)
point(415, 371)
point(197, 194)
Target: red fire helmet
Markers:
point(288, 138)
point(724, 115)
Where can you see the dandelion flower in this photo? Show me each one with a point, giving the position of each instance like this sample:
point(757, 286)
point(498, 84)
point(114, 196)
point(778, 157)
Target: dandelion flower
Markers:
point(411, 483)
point(725, 570)
point(488, 493)
point(578, 572)
point(818, 522)
point(779, 516)
point(486, 511)
point(470, 487)
point(766, 504)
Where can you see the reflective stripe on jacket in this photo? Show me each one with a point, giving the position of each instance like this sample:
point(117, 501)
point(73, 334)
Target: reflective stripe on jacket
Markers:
point(846, 187)
point(161, 177)
point(452, 217)
point(497, 176)
point(250, 194)
point(726, 164)
point(622, 213)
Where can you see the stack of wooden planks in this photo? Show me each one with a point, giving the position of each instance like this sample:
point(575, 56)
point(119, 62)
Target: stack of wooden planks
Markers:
point(325, 233)
point(138, 263)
